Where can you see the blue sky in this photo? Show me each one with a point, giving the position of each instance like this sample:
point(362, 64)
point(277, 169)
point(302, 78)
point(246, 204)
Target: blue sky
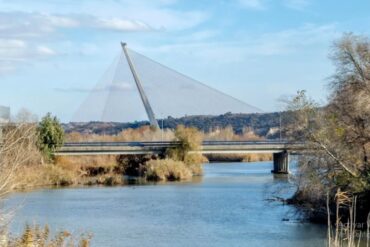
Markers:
point(255, 50)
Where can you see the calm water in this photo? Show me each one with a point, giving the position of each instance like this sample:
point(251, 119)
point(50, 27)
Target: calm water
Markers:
point(228, 206)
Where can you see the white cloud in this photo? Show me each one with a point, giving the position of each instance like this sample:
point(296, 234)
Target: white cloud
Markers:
point(157, 14)
point(61, 21)
point(24, 36)
point(296, 4)
point(284, 42)
point(12, 50)
point(174, 20)
point(121, 25)
point(265, 4)
point(34, 25)
point(43, 27)
point(11, 44)
point(16, 53)
point(252, 4)
point(43, 50)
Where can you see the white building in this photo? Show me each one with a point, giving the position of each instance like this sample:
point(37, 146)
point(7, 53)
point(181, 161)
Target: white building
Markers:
point(4, 118)
point(4, 114)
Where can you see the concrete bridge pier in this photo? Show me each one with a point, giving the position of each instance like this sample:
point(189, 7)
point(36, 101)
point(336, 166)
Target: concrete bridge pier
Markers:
point(281, 163)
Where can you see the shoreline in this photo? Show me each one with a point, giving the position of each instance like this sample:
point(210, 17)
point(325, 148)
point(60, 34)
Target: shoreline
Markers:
point(108, 177)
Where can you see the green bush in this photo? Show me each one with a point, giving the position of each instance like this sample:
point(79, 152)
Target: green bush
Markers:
point(50, 135)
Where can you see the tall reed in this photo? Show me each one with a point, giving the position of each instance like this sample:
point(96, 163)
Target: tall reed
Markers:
point(348, 234)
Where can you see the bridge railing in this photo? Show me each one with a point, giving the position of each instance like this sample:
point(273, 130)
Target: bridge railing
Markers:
point(174, 143)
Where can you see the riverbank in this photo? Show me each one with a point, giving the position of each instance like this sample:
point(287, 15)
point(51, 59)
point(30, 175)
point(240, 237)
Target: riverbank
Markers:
point(104, 170)
point(109, 170)
point(74, 171)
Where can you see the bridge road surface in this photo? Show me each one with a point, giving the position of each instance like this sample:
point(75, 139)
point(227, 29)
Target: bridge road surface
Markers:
point(208, 147)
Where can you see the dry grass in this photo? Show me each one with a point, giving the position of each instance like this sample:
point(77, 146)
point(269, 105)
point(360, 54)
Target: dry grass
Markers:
point(190, 140)
point(145, 133)
point(180, 162)
point(71, 170)
point(35, 236)
point(89, 170)
point(21, 165)
point(195, 163)
point(80, 163)
point(228, 134)
point(43, 175)
point(16, 151)
point(239, 157)
point(167, 170)
point(257, 157)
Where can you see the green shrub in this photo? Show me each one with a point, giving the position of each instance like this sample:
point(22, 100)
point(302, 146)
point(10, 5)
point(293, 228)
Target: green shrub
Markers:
point(50, 135)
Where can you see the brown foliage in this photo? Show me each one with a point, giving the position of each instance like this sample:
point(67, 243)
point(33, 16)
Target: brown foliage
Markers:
point(257, 157)
point(17, 150)
point(228, 134)
point(71, 170)
point(339, 132)
point(144, 133)
point(134, 165)
point(239, 157)
point(189, 139)
point(36, 236)
point(167, 169)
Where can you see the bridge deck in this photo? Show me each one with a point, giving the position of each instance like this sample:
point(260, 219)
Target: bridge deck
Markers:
point(208, 147)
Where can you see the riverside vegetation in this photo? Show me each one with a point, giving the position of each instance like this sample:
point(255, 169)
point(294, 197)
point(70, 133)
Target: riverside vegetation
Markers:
point(333, 180)
point(26, 160)
point(43, 169)
point(18, 150)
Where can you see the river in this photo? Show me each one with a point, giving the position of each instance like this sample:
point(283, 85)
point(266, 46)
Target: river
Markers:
point(228, 206)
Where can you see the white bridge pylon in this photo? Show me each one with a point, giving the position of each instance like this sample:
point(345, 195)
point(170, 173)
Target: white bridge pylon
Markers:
point(137, 88)
point(144, 99)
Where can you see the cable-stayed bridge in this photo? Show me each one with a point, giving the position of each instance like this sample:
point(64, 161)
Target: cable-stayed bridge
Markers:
point(139, 88)
point(136, 87)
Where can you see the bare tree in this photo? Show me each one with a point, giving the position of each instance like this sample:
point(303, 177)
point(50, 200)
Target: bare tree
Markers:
point(25, 116)
point(339, 133)
point(16, 147)
point(350, 98)
point(17, 150)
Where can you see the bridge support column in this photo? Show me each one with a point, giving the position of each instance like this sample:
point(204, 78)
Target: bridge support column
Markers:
point(281, 163)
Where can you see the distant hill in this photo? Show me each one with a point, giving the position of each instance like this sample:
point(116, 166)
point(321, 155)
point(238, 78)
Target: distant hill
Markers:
point(263, 124)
